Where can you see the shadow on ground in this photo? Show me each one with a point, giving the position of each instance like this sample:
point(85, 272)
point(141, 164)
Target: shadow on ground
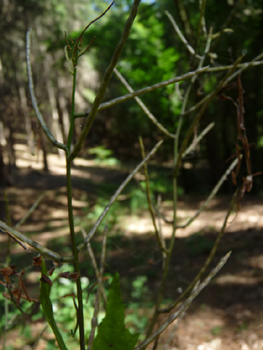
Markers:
point(229, 308)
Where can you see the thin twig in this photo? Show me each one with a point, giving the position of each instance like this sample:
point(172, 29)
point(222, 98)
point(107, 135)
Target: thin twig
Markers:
point(94, 321)
point(7, 263)
point(200, 113)
point(148, 195)
point(226, 24)
point(105, 81)
point(188, 301)
point(30, 211)
point(75, 54)
point(198, 139)
point(202, 17)
point(45, 252)
point(180, 34)
point(184, 16)
point(212, 194)
point(208, 260)
point(94, 263)
point(206, 203)
point(186, 97)
point(44, 126)
point(160, 230)
point(171, 336)
point(177, 156)
point(201, 26)
point(114, 197)
point(255, 62)
point(142, 105)
point(127, 97)
point(39, 337)
point(241, 70)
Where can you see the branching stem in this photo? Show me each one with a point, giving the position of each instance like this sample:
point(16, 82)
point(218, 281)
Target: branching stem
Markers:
point(106, 80)
point(44, 126)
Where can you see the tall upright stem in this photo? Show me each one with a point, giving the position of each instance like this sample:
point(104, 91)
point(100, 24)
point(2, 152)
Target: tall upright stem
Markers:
point(170, 250)
point(75, 253)
point(71, 128)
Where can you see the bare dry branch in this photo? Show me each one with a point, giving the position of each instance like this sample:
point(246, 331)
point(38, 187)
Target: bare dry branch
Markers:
point(114, 197)
point(47, 253)
point(180, 34)
point(44, 126)
point(188, 301)
point(160, 241)
point(127, 97)
point(142, 105)
point(30, 211)
point(105, 81)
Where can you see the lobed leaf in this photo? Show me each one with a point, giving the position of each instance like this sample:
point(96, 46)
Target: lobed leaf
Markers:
point(112, 332)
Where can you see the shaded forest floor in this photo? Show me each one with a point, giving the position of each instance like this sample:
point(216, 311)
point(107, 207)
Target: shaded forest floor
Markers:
point(228, 314)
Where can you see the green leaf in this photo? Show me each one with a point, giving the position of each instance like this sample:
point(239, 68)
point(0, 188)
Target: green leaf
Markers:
point(48, 309)
point(112, 333)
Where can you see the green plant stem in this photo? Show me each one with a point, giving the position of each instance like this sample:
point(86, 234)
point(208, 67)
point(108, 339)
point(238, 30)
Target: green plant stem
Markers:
point(75, 253)
point(242, 66)
point(159, 237)
point(185, 305)
point(142, 91)
point(207, 69)
point(71, 128)
point(106, 80)
point(47, 307)
point(201, 272)
point(171, 246)
point(175, 189)
point(201, 25)
point(114, 197)
point(7, 262)
point(142, 105)
point(166, 265)
point(190, 130)
point(180, 34)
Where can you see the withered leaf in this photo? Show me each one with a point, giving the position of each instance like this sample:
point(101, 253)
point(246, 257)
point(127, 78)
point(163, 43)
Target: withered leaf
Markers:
point(8, 271)
point(69, 295)
point(50, 272)
point(74, 276)
point(64, 274)
point(46, 279)
point(37, 260)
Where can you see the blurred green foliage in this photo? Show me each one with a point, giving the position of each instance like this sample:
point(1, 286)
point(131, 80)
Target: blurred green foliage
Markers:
point(103, 156)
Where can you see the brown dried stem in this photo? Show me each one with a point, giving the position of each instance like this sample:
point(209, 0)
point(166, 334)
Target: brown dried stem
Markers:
point(183, 307)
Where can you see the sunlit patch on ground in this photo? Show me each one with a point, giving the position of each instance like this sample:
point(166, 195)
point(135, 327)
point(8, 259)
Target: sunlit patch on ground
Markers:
point(227, 314)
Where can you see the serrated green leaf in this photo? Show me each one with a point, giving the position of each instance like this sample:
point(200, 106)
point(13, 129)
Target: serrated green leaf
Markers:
point(112, 332)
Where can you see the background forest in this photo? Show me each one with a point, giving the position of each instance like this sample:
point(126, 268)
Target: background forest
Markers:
point(153, 53)
point(164, 228)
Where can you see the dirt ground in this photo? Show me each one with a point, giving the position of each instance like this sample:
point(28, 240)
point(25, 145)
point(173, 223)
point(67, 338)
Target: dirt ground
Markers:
point(228, 314)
